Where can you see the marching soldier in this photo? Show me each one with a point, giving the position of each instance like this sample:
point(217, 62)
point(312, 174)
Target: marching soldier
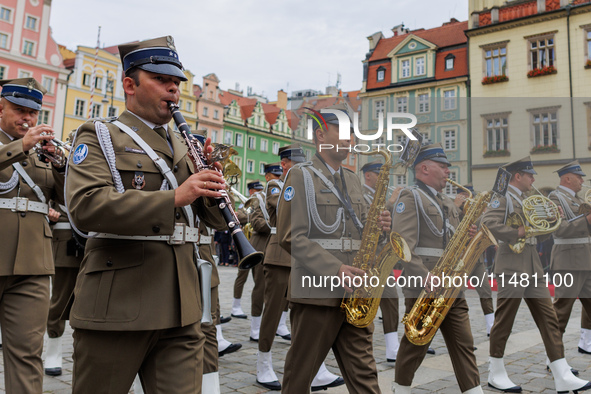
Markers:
point(571, 253)
point(26, 186)
point(137, 300)
point(320, 213)
point(258, 242)
point(426, 219)
point(536, 295)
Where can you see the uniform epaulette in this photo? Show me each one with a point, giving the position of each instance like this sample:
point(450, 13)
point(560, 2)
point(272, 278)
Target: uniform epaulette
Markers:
point(109, 119)
point(304, 164)
point(350, 170)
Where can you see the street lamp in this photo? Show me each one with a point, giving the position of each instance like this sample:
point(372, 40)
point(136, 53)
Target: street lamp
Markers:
point(109, 88)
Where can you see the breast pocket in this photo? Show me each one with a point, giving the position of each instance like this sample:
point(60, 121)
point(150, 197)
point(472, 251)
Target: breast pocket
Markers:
point(328, 206)
point(138, 172)
point(110, 287)
point(435, 216)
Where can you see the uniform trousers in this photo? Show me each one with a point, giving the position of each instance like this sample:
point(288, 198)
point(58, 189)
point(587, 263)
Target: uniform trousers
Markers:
point(565, 296)
point(484, 291)
point(258, 291)
point(63, 283)
point(539, 303)
point(210, 348)
point(457, 334)
point(389, 307)
point(276, 281)
point(168, 360)
point(24, 306)
point(314, 331)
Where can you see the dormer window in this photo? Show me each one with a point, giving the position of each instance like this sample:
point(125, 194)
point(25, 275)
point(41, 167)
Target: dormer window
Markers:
point(381, 74)
point(449, 62)
point(420, 66)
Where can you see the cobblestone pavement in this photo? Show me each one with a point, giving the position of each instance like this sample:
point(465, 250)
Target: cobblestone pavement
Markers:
point(524, 359)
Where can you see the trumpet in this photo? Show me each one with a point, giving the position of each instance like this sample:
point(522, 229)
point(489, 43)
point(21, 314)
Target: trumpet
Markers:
point(59, 157)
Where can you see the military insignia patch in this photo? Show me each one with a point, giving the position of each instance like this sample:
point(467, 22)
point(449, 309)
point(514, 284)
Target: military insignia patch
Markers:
point(139, 180)
point(275, 190)
point(31, 84)
point(289, 193)
point(495, 204)
point(400, 207)
point(80, 154)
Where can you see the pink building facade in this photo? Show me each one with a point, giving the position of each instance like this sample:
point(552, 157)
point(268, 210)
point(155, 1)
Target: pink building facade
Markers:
point(28, 50)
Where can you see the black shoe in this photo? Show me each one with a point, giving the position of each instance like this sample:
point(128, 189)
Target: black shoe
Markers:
point(581, 350)
point(514, 389)
point(287, 337)
point(57, 371)
point(253, 340)
point(274, 386)
point(391, 360)
point(381, 318)
point(337, 382)
point(475, 348)
point(224, 319)
point(430, 351)
point(230, 349)
point(239, 316)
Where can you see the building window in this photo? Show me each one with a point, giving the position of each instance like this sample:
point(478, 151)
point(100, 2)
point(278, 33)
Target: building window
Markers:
point(262, 168)
point(2, 72)
point(426, 137)
point(545, 128)
point(216, 114)
point(420, 66)
point(31, 23)
point(449, 62)
point(5, 14)
point(205, 111)
point(381, 75)
point(112, 112)
point(449, 189)
point(449, 139)
point(496, 61)
point(423, 103)
point(28, 48)
point(189, 106)
point(250, 166)
point(227, 137)
point(542, 52)
point(400, 180)
point(588, 33)
point(24, 74)
point(97, 110)
point(234, 111)
point(44, 116)
point(79, 108)
point(275, 148)
point(252, 143)
point(449, 99)
point(264, 145)
point(257, 120)
point(405, 69)
point(497, 133)
point(214, 136)
point(48, 84)
point(238, 161)
point(380, 105)
point(3, 41)
point(239, 140)
point(86, 79)
point(402, 104)
point(98, 83)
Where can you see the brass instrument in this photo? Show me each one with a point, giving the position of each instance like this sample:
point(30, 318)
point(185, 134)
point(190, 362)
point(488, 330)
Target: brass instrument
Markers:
point(585, 208)
point(458, 260)
point(540, 216)
point(361, 306)
point(59, 157)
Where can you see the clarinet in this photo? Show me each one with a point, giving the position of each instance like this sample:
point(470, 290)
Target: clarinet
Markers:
point(247, 255)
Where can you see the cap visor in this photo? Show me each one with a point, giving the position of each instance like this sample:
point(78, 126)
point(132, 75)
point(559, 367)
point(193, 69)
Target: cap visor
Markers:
point(298, 159)
point(532, 171)
point(23, 102)
point(581, 173)
point(164, 68)
point(441, 160)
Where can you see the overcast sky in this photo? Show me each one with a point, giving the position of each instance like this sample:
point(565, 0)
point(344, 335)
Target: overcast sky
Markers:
point(268, 45)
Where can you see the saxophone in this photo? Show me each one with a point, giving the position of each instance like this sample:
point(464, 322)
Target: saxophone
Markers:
point(361, 306)
point(458, 259)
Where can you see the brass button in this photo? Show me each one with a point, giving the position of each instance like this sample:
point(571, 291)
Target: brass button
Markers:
point(24, 163)
point(23, 214)
point(176, 168)
point(8, 153)
point(177, 215)
point(109, 263)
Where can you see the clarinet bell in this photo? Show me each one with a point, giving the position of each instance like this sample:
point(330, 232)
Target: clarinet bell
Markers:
point(247, 255)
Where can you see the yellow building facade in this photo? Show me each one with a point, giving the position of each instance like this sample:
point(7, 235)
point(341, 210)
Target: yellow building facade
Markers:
point(530, 87)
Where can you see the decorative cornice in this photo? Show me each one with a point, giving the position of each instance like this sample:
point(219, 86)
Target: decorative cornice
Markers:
point(494, 44)
point(542, 109)
point(537, 35)
point(494, 114)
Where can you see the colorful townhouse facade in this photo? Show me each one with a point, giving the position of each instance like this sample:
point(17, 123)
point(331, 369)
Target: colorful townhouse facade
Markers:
point(530, 66)
point(210, 110)
point(28, 50)
point(423, 72)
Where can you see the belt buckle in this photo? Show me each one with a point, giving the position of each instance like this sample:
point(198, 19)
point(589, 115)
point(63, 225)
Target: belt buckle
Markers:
point(21, 204)
point(178, 237)
point(346, 244)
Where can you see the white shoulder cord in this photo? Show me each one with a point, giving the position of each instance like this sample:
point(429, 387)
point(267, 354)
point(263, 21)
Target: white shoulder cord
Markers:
point(565, 205)
point(313, 214)
point(13, 181)
point(7, 187)
point(419, 204)
point(263, 206)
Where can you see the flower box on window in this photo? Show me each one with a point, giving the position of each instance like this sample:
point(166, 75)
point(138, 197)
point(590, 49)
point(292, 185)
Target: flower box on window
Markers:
point(538, 72)
point(494, 79)
point(497, 153)
point(588, 63)
point(545, 149)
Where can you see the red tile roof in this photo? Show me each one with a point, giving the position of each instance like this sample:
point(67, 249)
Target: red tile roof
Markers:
point(447, 35)
point(460, 64)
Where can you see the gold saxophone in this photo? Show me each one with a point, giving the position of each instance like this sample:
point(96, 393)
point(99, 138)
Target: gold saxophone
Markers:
point(361, 306)
point(458, 260)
